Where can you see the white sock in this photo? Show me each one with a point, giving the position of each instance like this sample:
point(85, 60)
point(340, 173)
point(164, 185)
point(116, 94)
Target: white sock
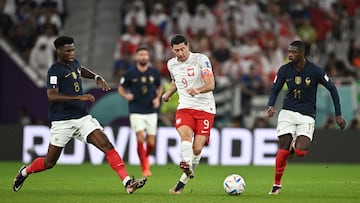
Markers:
point(195, 160)
point(186, 151)
point(184, 178)
point(126, 180)
point(23, 172)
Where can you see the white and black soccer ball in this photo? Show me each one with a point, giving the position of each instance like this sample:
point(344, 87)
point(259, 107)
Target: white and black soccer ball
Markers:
point(234, 184)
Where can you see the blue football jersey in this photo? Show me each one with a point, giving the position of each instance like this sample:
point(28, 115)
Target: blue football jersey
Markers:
point(143, 86)
point(302, 87)
point(67, 79)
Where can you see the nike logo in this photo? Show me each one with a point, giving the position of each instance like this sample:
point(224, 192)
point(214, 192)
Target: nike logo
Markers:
point(288, 79)
point(67, 75)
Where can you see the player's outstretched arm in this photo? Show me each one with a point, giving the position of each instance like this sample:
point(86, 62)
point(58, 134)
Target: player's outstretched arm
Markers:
point(100, 81)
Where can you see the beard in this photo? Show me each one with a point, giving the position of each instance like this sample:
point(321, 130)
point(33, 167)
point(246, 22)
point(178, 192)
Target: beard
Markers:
point(143, 63)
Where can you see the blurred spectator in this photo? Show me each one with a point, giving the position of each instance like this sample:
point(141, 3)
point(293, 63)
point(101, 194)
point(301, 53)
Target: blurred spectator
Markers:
point(172, 28)
point(307, 34)
point(251, 14)
point(181, 13)
point(337, 70)
point(251, 85)
point(136, 15)
point(203, 21)
point(353, 53)
point(127, 42)
point(221, 52)
point(233, 67)
point(261, 122)
point(329, 122)
point(42, 55)
point(286, 33)
point(121, 66)
point(158, 17)
point(354, 124)
point(49, 15)
point(5, 20)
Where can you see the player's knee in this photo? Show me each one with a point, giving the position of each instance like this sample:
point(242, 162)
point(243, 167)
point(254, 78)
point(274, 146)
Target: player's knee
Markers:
point(300, 153)
point(197, 150)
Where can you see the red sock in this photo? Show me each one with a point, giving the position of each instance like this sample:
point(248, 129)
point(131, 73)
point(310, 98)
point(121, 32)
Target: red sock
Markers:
point(116, 163)
point(36, 166)
point(300, 153)
point(144, 160)
point(149, 149)
point(281, 161)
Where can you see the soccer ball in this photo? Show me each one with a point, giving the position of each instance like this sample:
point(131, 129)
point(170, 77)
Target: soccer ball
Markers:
point(234, 184)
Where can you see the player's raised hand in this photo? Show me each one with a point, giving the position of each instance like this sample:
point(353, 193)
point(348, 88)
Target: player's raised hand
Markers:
point(271, 111)
point(103, 84)
point(340, 122)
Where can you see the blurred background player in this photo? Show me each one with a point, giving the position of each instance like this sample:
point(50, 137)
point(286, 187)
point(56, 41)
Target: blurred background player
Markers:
point(296, 120)
point(141, 86)
point(193, 79)
point(70, 119)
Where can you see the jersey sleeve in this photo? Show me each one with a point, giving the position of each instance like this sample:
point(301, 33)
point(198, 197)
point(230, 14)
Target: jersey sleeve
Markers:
point(53, 77)
point(205, 65)
point(169, 67)
point(328, 84)
point(277, 86)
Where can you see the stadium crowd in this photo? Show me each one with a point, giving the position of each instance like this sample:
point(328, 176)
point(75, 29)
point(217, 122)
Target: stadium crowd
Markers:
point(246, 40)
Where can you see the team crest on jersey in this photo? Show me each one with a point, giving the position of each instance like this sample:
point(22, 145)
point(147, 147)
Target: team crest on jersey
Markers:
point(298, 80)
point(74, 75)
point(143, 79)
point(307, 81)
point(151, 79)
point(190, 71)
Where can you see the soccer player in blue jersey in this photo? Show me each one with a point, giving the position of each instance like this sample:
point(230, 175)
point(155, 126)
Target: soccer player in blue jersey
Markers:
point(141, 86)
point(70, 119)
point(296, 119)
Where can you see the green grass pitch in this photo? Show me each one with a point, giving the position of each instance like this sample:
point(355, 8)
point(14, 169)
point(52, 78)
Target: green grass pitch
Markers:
point(88, 183)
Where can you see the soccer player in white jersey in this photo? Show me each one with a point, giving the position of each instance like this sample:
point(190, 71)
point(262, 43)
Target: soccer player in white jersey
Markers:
point(193, 78)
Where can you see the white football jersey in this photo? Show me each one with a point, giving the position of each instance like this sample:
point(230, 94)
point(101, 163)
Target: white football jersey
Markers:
point(188, 74)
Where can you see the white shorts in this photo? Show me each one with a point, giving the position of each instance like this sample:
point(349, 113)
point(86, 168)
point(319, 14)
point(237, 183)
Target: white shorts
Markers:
point(146, 122)
point(62, 132)
point(295, 123)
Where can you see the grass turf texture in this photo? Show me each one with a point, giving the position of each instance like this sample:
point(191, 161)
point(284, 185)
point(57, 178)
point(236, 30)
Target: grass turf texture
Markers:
point(89, 183)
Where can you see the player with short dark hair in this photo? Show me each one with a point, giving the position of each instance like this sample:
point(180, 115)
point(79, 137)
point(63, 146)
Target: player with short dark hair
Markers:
point(296, 121)
point(141, 87)
point(70, 119)
point(193, 79)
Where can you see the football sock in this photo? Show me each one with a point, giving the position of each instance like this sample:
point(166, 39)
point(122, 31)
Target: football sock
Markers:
point(186, 151)
point(36, 166)
point(196, 160)
point(184, 178)
point(280, 164)
point(149, 149)
point(144, 160)
point(116, 163)
point(300, 153)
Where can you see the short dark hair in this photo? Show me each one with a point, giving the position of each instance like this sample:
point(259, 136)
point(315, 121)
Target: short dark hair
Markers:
point(178, 39)
point(299, 45)
point(62, 40)
point(141, 48)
